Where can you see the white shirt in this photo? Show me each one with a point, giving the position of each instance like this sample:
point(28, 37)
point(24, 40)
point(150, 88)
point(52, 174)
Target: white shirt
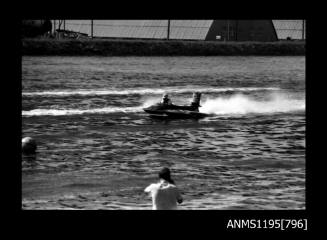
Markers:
point(164, 195)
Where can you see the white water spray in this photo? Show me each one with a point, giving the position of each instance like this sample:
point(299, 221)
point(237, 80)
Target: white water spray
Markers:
point(241, 104)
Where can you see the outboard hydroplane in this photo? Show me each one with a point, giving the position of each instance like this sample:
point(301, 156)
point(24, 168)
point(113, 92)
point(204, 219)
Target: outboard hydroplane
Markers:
point(165, 109)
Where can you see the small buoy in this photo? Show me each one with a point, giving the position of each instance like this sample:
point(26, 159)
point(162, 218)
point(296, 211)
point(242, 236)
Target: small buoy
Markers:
point(28, 145)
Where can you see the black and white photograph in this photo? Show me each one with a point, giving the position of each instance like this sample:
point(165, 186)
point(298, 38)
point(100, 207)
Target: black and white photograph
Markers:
point(159, 114)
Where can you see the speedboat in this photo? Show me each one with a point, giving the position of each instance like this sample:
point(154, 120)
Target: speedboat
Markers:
point(164, 110)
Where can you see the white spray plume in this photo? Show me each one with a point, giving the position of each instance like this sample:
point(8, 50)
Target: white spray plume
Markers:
point(148, 101)
point(241, 104)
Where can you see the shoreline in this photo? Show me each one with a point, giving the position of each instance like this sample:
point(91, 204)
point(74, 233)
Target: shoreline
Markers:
point(137, 47)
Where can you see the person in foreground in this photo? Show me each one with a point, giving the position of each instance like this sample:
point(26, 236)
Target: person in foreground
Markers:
point(165, 195)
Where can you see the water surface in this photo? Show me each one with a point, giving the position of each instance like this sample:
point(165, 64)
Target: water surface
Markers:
point(97, 149)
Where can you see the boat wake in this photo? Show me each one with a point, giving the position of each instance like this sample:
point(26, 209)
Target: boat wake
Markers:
point(235, 104)
point(144, 91)
point(64, 112)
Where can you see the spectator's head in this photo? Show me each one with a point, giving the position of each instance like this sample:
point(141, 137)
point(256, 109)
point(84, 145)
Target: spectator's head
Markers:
point(165, 175)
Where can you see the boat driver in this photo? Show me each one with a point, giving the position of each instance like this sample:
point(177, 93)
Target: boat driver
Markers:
point(165, 100)
point(196, 101)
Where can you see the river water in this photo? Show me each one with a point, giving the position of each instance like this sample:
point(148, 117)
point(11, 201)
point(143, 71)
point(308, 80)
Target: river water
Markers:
point(97, 149)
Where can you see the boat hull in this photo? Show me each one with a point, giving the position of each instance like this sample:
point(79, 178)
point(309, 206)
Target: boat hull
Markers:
point(174, 114)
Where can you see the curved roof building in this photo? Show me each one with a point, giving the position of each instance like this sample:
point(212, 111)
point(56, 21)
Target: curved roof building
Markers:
point(212, 30)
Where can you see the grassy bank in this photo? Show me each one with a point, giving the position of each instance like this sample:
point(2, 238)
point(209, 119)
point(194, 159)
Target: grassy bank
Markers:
point(114, 47)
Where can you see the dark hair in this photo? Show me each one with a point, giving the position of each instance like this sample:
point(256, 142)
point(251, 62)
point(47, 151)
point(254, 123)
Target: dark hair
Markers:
point(165, 174)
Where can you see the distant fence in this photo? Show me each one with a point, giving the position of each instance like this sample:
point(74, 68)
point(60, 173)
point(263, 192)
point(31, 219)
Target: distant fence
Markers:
point(165, 29)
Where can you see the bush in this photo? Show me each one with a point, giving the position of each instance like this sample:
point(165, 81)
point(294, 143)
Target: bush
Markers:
point(157, 48)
